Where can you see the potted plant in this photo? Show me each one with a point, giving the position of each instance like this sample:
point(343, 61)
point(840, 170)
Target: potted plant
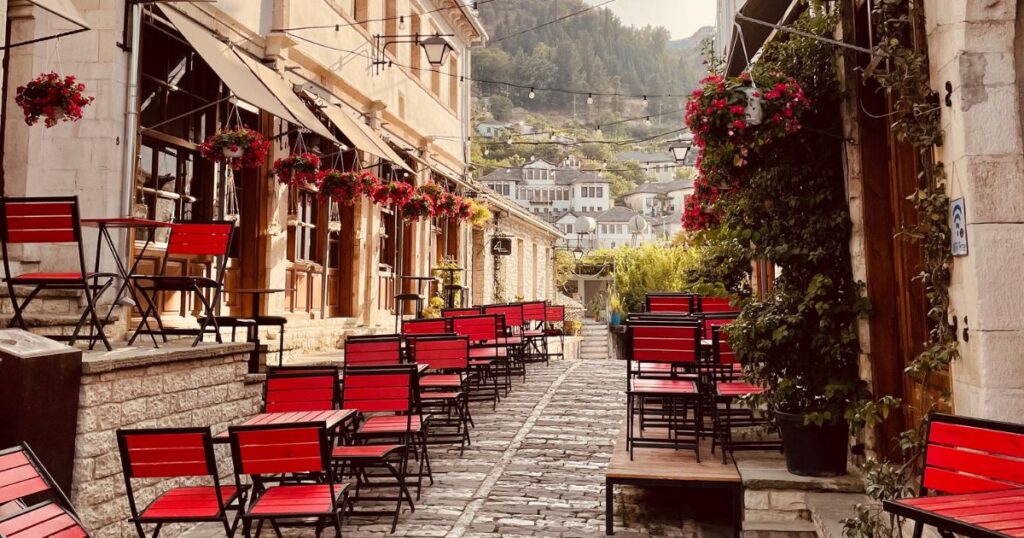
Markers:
point(239, 148)
point(297, 169)
point(597, 305)
point(51, 97)
point(572, 327)
point(615, 309)
point(446, 204)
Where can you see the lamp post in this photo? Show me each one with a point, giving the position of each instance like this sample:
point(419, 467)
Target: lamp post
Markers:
point(680, 149)
point(436, 47)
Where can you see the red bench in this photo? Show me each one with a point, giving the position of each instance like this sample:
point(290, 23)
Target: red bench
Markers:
point(977, 469)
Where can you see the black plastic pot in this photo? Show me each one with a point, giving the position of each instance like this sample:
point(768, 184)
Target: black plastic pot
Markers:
point(813, 450)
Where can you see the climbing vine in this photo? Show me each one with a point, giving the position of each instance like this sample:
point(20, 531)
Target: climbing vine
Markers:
point(900, 66)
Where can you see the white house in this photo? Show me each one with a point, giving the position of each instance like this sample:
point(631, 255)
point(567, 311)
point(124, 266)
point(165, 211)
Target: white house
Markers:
point(550, 189)
point(615, 230)
point(659, 166)
point(654, 199)
point(491, 129)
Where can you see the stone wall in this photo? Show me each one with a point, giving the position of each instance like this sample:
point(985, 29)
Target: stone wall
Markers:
point(971, 44)
point(175, 387)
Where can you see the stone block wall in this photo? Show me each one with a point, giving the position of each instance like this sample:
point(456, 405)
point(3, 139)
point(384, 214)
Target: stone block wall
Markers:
point(179, 387)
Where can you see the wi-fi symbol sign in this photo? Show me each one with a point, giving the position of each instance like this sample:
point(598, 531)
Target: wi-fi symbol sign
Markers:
point(958, 227)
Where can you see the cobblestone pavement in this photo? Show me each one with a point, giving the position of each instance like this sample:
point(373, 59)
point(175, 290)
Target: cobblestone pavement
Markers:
point(536, 468)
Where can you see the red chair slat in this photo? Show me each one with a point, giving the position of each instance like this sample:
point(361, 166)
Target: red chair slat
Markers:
point(36, 209)
point(275, 450)
point(668, 343)
point(19, 477)
point(373, 351)
point(165, 454)
point(451, 353)
point(513, 313)
point(717, 304)
point(459, 312)
point(378, 390)
point(40, 236)
point(199, 239)
point(58, 222)
point(981, 439)
point(300, 392)
point(47, 520)
point(535, 311)
point(21, 489)
point(677, 305)
point(976, 463)
point(425, 326)
point(477, 328)
point(943, 481)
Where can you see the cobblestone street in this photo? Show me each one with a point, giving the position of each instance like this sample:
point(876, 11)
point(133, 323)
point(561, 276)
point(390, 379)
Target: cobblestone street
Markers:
point(535, 468)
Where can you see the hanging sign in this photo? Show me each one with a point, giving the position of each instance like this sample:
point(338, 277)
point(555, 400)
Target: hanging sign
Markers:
point(958, 227)
point(501, 246)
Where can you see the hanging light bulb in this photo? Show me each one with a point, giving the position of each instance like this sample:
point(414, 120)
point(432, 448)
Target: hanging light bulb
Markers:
point(644, 101)
point(647, 121)
point(532, 93)
point(598, 130)
point(401, 22)
point(590, 98)
point(486, 152)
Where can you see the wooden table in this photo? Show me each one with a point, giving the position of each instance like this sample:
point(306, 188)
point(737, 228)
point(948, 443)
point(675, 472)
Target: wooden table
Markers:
point(332, 419)
point(104, 225)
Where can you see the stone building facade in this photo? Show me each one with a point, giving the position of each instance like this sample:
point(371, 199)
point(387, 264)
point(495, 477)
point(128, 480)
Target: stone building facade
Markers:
point(135, 151)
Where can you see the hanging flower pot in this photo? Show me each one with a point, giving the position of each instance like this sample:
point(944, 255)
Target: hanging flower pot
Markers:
point(446, 204)
point(238, 148)
point(432, 189)
point(367, 183)
point(393, 193)
point(418, 207)
point(480, 214)
point(52, 99)
point(465, 210)
point(297, 170)
point(341, 187)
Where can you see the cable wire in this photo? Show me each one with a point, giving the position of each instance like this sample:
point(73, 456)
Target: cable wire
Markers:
point(554, 21)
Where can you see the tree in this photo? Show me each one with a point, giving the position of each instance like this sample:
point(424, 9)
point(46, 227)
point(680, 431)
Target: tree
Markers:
point(501, 107)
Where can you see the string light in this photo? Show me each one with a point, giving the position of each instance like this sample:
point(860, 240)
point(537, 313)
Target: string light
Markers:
point(590, 98)
point(644, 102)
point(401, 26)
point(647, 121)
point(532, 93)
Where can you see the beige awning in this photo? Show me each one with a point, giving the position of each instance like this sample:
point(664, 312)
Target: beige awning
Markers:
point(748, 37)
point(362, 136)
point(65, 10)
point(248, 79)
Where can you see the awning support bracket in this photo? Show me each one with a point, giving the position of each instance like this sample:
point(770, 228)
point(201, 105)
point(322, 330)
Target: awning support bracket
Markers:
point(782, 28)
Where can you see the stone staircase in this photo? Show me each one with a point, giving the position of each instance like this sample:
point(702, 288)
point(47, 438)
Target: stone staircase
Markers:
point(595, 340)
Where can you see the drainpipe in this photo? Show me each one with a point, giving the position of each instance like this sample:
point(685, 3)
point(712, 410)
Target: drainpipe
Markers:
point(131, 123)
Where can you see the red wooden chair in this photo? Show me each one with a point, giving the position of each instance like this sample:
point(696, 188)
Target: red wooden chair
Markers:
point(447, 387)
point(510, 335)
point(486, 355)
point(973, 479)
point(50, 220)
point(424, 326)
point(669, 303)
point(678, 345)
point(176, 453)
point(22, 476)
point(727, 387)
point(301, 390)
point(378, 350)
point(387, 399)
point(714, 304)
point(188, 240)
point(534, 317)
point(554, 325)
point(460, 312)
point(266, 451)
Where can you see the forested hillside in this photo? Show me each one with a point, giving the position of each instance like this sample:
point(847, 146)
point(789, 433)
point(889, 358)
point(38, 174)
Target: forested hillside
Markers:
point(591, 52)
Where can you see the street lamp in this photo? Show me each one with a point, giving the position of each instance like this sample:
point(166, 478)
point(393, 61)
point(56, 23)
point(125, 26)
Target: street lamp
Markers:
point(437, 50)
point(681, 149)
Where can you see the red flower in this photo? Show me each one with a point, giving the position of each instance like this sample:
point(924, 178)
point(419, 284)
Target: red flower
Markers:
point(297, 170)
point(48, 96)
point(254, 148)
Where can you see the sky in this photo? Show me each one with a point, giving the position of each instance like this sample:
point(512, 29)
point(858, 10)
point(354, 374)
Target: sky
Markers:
point(681, 17)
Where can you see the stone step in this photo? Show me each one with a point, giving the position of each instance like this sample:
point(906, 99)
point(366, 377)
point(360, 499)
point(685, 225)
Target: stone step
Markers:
point(779, 529)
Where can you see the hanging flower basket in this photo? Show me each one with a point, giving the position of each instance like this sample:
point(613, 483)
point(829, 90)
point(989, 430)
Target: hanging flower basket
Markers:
point(297, 170)
point(342, 187)
point(52, 99)
point(465, 210)
point(392, 193)
point(239, 148)
point(367, 183)
point(446, 204)
point(480, 214)
point(418, 207)
point(431, 189)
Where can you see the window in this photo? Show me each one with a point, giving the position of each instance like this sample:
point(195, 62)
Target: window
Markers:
point(599, 192)
point(361, 12)
point(416, 62)
point(391, 26)
point(604, 228)
point(307, 208)
point(453, 84)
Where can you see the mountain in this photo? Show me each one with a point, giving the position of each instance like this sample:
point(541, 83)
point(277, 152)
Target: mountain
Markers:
point(693, 42)
point(589, 52)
